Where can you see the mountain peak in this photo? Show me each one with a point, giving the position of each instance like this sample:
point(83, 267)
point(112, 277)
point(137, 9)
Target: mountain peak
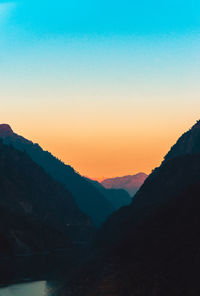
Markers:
point(196, 125)
point(131, 183)
point(5, 130)
point(188, 143)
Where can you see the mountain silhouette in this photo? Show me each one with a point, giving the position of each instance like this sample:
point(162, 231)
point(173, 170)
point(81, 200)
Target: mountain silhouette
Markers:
point(117, 197)
point(130, 183)
point(5, 130)
point(188, 143)
point(37, 213)
point(89, 199)
point(152, 247)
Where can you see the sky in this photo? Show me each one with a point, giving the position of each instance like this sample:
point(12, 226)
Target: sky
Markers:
point(106, 86)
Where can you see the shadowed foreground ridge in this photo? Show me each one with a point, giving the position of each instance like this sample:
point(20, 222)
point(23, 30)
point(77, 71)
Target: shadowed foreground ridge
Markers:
point(36, 212)
point(152, 247)
point(89, 199)
point(188, 143)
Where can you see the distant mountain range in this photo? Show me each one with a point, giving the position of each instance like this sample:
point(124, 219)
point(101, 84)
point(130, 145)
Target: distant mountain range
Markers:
point(152, 247)
point(90, 198)
point(130, 183)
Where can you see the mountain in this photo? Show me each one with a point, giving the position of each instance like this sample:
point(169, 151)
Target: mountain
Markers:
point(179, 170)
point(117, 197)
point(130, 183)
point(89, 199)
point(152, 247)
point(36, 212)
point(188, 143)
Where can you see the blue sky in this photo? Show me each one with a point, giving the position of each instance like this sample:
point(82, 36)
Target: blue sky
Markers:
point(116, 71)
point(108, 17)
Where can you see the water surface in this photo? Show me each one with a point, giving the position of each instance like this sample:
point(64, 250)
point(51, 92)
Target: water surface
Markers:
point(26, 289)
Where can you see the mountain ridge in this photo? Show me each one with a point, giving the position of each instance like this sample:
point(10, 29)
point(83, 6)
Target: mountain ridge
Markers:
point(89, 199)
point(117, 197)
point(37, 212)
point(188, 143)
point(151, 247)
point(130, 183)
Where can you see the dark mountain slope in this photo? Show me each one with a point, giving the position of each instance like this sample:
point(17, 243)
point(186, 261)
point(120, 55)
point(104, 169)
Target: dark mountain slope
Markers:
point(180, 169)
point(117, 197)
point(89, 199)
point(36, 212)
point(152, 247)
point(188, 143)
point(161, 257)
point(166, 182)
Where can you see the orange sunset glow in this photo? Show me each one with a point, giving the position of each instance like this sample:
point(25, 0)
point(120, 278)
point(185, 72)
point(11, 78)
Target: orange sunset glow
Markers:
point(99, 148)
point(99, 152)
point(108, 104)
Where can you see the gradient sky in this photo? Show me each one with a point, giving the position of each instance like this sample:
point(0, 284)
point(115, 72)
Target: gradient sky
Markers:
point(107, 86)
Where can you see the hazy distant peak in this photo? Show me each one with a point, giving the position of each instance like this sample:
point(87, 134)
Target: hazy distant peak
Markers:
point(5, 130)
point(127, 178)
point(131, 183)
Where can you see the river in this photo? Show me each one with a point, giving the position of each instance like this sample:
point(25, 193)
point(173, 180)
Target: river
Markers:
point(26, 289)
point(34, 275)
